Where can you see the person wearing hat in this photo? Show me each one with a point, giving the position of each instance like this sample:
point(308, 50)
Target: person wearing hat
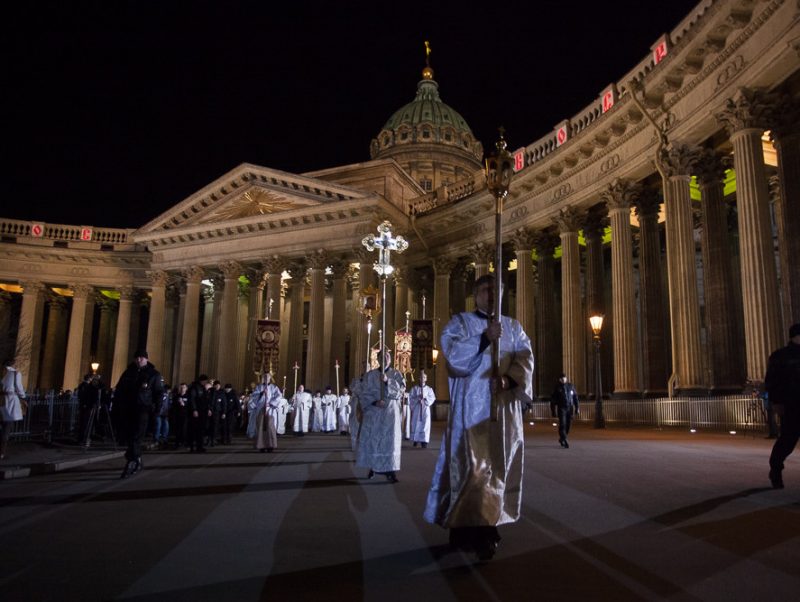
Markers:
point(564, 404)
point(783, 385)
point(136, 395)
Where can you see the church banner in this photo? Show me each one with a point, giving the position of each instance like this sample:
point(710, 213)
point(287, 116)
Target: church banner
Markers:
point(268, 336)
point(403, 344)
point(422, 344)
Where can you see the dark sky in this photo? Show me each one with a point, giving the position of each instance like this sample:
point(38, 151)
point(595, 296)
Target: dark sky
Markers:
point(115, 111)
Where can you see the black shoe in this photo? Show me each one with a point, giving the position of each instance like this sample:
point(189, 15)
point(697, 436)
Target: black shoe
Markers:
point(392, 477)
point(201, 450)
point(370, 474)
point(423, 445)
point(459, 538)
point(561, 442)
point(269, 450)
point(776, 478)
point(485, 550)
point(414, 444)
point(566, 445)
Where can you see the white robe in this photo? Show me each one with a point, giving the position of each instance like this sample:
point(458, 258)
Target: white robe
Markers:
point(316, 414)
point(12, 386)
point(263, 405)
point(421, 399)
point(380, 437)
point(282, 410)
point(301, 405)
point(478, 475)
point(329, 413)
point(343, 411)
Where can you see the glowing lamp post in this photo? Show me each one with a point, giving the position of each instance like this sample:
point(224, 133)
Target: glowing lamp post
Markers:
point(95, 366)
point(596, 322)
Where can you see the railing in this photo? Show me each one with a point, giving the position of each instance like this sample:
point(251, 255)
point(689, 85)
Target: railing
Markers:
point(727, 413)
point(65, 232)
point(49, 417)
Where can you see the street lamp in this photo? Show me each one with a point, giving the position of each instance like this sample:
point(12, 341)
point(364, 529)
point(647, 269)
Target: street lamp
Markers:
point(596, 322)
point(95, 366)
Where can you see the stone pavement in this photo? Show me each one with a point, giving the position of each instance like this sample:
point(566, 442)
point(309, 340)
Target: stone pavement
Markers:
point(620, 515)
point(28, 458)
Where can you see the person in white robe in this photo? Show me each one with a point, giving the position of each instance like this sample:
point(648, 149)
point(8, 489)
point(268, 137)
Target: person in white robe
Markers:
point(343, 412)
point(316, 412)
point(283, 409)
point(421, 398)
point(477, 482)
point(11, 408)
point(406, 418)
point(380, 439)
point(301, 407)
point(328, 411)
point(263, 405)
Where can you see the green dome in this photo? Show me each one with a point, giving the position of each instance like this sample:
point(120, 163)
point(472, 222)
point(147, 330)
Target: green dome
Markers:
point(427, 107)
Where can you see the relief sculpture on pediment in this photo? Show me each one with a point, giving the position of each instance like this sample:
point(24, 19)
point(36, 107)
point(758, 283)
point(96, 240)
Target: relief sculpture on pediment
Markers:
point(254, 202)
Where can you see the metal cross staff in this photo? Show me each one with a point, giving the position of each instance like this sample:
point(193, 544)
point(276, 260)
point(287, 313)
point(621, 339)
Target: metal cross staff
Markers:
point(385, 243)
point(499, 169)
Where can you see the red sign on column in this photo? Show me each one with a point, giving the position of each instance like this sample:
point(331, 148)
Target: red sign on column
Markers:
point(86, 234)
point(519, 159)
point(37, 230)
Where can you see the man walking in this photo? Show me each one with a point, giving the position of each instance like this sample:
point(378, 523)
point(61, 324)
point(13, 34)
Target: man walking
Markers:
point(420, 399)
point(783, 385)
point(477, 482)
point(564, 404)
point(136, 395)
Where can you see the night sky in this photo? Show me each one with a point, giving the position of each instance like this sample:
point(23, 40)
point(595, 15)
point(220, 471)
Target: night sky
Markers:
point(116, 111)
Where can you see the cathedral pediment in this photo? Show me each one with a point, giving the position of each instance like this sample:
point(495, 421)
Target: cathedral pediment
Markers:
point(249, 194)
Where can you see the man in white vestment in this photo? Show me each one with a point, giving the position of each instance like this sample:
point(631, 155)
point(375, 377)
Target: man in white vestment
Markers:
point(283, 408)
point(477, 482)
point(328, 411)
point(379, 441)
point(301, 406)
point(264, 403)
point(420, 399)
point(316, 412)
point(343, 411)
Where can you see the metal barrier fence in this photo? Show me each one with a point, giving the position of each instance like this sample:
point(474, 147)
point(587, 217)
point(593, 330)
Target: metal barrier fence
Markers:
point(727, 413)
point(50, 416)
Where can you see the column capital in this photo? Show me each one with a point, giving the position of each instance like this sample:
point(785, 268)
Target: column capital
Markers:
point(127, 293)
point(297, 270)
point(231, 270)
point(363, 256)
point(81, 291)
point(522, 239)
point(459, 271)
point(31, 286)
point(274, 264)
point(748, 108)
point(620, 193)
point(340, 267)
point(158, 277)
point(785, 121)
point(546, 242)
point(193, 274)
point(567, 220)
point(481, 252)
point(648, 204)
point(443, 265)
point(56, 301)
point(172, 294)
point(595, 221)
point(207, 293)
point(679, 160)
point(257, 277)
point(317, 259)
point(106, 303)
point(710, 167)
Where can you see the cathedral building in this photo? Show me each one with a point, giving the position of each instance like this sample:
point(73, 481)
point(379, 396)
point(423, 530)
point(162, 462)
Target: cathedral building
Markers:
point(670, 204)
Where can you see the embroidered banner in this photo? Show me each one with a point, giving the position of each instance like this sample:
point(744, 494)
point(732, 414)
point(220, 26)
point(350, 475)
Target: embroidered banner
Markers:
point(265, 355)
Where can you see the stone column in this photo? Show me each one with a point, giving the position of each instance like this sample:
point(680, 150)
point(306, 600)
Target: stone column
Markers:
point(103, 355)
point(687, 355)
point(208, 352)
point(123, 334)
point(651, 296)
point(401, 297)
point(523, 239)
point(442, 266)
point(29, 332)
point(315, 369)
point(365, 279)
point(482, 254)
point(170, 335)
point(176, 360)
point(619, 196)
point(55, 343)
point(573, 358)
point(340, 269)
point(722, 322)
point(785, 133)
point(744, 117)
point(155, 324)
point(189, 332)
point(357, 326)
point(548, 335)
point(594, 225)
point(297, 286)
point(226, 343)
point(73, 368)
point(274, 266)
point(255, 311)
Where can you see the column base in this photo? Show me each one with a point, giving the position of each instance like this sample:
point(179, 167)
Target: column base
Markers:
point(626, 395)
point(655, 393)
point(727, 390)
point(692, 392)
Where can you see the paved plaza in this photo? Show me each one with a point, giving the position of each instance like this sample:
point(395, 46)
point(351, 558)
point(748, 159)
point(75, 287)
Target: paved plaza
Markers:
point(620, 515)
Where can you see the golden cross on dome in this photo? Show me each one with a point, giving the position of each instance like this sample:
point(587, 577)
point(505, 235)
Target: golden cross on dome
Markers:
point(427, 53)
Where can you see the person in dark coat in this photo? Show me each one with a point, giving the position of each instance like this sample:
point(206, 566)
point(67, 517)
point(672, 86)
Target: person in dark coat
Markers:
point(200, 395)
point(138, 392)
point(564, 404)
point(218, 401)
point(89, 395)
point(783, 385)
point(231, 414)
